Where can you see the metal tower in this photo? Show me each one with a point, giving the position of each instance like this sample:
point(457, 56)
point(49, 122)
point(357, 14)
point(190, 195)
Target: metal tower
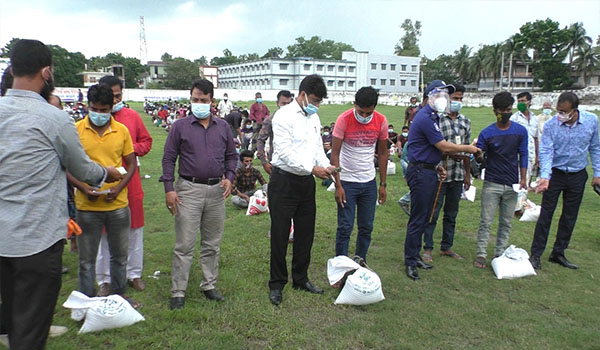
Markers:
point(143, 46)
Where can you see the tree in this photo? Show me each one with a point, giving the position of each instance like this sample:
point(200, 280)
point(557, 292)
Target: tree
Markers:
point(317, 48)
point(166, 57)
point(67, 65)
point(248, 57)
point(133, 69)
point(577, 40)
point(438, 68)
point(274, 52)
point(202, 61)
point(550, 45)
point(227, 58)
point(460, 63)
point(587, 60)
point(5, 51)
point(180, 72)
point(407, 46)
point(513, 51)
point(476, 66)
point(492, 59)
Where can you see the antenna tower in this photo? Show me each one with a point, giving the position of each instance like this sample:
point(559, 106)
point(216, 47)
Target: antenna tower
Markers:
point(143, 46)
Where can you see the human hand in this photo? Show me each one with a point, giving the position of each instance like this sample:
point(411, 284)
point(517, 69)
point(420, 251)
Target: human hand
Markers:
point(523, 184)
point(112, 195)
point(268, 168)
point(172, 201)
point(471, 149)
point(321, 172)
point(227, 184)
point(542, 185)
point(382, 194)
point(595, 181)
point(467, 184)
point(441, 172)
point(92, 194)
point(340, 195)
point(112, 174)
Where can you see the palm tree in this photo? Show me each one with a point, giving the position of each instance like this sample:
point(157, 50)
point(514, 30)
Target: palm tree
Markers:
point(492, 60)
point(577, 40)
point(460, 63)
point(476, 66)
point(587, 60)
point(514, 51)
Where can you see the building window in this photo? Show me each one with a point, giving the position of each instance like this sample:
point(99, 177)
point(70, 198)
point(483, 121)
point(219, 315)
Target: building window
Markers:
point(413, 83)
point(329, 82)
point(283, 66)
point(283, 82)
point(382, 81)
point(373, 66)
point(341, 69)
point(413, 68)
point(393, 82)
point(392, 67)
point(373, 81)
point(340, 83)
point(319, 67)
point(383, 66)
point(350, 69)
point(92, 79)
point(307, 67)
point(402, 82)
point(330, 68)
point(404, 68)
point(351, 83)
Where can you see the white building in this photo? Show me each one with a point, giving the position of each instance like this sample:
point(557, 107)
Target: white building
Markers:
point(388, 73)
point(210, 73)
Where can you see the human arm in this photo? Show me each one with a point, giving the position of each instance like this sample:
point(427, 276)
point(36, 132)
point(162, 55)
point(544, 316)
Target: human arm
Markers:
point(259, 177)
point(449, 147)
point(594, 150)
point(340, 195)
point(130, 166)
point(231, 159)
point(143, 142)
point(170, 155)
point(383, 155)
point(89, 191)
point(261, 141)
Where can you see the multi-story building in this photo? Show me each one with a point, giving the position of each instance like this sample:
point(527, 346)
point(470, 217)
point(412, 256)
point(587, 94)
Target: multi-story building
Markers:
point(210, 73)
point(388, 73)
point(157, 72)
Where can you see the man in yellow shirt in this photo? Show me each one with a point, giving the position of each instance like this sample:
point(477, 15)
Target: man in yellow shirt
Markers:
point(108, 143)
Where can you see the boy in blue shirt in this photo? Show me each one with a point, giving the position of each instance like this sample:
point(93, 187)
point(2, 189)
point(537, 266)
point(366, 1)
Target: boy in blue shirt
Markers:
point(505, 145)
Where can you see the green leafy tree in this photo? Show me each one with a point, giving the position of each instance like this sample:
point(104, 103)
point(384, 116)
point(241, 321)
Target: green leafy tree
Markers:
point(577, 40)
point(133, 69)
point(5, 51)
point(166, 57)
point(550, 44)
point(492, 60)
point(460, 63)
point(180, 72)
point(202, 61)
point(274, 52)
point(587, 60)
point(227, 58)
point(317, 48)
point(476, 66)
point(408, 44)
point(67, 65)
point(439, 68)
point(515, 52)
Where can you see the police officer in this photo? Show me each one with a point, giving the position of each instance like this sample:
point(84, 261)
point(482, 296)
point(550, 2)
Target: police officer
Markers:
point(425, 146)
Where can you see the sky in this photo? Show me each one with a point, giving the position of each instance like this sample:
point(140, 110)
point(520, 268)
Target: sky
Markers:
point(192, 28)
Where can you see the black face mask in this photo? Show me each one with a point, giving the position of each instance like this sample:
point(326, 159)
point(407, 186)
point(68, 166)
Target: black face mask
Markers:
point(503, 118)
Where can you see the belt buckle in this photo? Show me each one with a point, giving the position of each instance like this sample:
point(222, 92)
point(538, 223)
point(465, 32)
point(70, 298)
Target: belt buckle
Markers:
point(213, 181)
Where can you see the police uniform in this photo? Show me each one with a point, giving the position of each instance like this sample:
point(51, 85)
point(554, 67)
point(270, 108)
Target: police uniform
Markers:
point(422, 178)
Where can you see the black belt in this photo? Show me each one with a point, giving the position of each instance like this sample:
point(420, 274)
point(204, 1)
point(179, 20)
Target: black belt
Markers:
point(424, 165)
point(197, 180)
point(280, 171)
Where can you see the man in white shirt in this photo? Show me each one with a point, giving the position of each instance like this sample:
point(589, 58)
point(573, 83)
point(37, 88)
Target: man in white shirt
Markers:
point(527, 119)
point(298, 155)
point(225, 107)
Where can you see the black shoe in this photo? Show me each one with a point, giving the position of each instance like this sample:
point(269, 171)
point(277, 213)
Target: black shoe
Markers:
point(423, 265)
point(212, 294)
point(176, 303)
point(412, 272)
point(275, 296)
point(561, 260)
point(535, 262)
point(308, 287)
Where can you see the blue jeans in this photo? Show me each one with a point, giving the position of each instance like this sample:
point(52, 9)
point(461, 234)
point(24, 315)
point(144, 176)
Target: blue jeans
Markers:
point(117, 225)
point(494, 196)
point(449, 197)
point(364, 197)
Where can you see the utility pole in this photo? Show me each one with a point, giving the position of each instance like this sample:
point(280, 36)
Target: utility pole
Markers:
point(143, 46)
point(502, 73)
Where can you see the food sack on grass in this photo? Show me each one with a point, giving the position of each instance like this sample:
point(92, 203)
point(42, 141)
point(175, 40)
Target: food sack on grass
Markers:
point(338, 267)
point(258, 204)
point(513, 263)
point(363, 287)
point(79, 303)
point(391, 168)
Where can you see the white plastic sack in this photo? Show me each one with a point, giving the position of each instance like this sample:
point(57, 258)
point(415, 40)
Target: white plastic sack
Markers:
point(258, 204)
point(521, 197)
point(391, 168)
point(531, 214)
point(363, 287)
point(338, 266)
point(513, 263)
point(331, 187)
point(469, 194)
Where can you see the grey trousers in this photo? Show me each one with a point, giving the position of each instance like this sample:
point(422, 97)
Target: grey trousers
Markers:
point(202, 209)
point(495, 195)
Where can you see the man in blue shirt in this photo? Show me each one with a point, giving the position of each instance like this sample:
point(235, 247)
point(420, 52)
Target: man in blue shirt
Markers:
point(425, 146)
point(566, 141)
point(505, 146)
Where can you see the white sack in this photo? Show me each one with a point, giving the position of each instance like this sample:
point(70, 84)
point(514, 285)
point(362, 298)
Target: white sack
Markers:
point(363, 287)
point(331, 187)
point(258, 203)
point(338, 266)
point(469, 194)
point(391, 168)
point(513, 263)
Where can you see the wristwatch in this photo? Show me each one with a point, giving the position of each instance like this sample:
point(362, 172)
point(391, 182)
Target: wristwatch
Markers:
point(383, 184)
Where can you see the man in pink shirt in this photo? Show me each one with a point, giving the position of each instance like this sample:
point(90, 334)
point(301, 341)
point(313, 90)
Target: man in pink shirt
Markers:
point(258, 113)
point(357, 134)
point(142, 143)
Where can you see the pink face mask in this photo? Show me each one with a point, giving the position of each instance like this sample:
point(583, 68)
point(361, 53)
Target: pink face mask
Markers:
point(564, 117)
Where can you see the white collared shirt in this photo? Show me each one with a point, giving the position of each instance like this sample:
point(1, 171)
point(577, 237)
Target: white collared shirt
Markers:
point(297, 143)
point(532, 127)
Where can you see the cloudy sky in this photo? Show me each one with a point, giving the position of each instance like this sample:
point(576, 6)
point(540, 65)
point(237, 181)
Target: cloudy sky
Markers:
point(193, 28)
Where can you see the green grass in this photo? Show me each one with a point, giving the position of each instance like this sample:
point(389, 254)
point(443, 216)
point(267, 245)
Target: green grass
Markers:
point(453, 306)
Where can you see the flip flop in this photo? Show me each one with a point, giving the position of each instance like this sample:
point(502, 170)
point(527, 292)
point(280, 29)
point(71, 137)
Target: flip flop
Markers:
point(480, 262)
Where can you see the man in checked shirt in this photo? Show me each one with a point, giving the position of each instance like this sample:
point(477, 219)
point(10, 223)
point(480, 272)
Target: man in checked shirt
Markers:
point(455, 128)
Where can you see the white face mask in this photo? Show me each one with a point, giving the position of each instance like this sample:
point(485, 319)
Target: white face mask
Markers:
point(439, 102)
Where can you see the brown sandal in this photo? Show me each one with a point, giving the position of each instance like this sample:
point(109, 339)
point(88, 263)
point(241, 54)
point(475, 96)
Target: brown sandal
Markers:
point(480, 262)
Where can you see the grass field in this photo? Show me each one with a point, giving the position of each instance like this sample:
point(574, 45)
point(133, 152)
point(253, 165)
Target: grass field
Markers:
point(453, 306)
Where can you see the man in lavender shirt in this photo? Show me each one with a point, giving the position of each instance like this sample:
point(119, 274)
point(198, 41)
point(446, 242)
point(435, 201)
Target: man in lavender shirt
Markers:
point(207, 160)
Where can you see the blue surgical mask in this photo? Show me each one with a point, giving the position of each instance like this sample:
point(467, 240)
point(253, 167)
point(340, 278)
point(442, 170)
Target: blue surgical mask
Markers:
point(405, 134)
point(361, 119)
point(326, 133)
point(118, 106)
point(259, 100)
point(547, 111)
point(201, 110)
point(310, 109)
point(455, 106)
point(99, 119)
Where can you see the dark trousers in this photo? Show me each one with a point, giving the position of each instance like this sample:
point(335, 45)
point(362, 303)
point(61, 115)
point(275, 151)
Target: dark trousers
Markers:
point(361, 198)
point(423, 186)
point(449, 198)
point(30, 287)
point(291, 197)
point(572, 186)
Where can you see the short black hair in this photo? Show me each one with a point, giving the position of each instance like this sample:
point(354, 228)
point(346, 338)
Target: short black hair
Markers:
point(503, 100)
point(57, 97)
point(525, 94)
point(204, 85)
point(326, 127)
point(111, 81)
point(7, 81)
point(405, 127)
point(366, 96)
point(569, 97)
point(245, 113)
point(100, 93)
point(313, 84)
point(459, 88)
point(28, 57)
point(258, 93)
point(413, 98)
point(284, 93)
point(246, 154)
point(390, 126)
